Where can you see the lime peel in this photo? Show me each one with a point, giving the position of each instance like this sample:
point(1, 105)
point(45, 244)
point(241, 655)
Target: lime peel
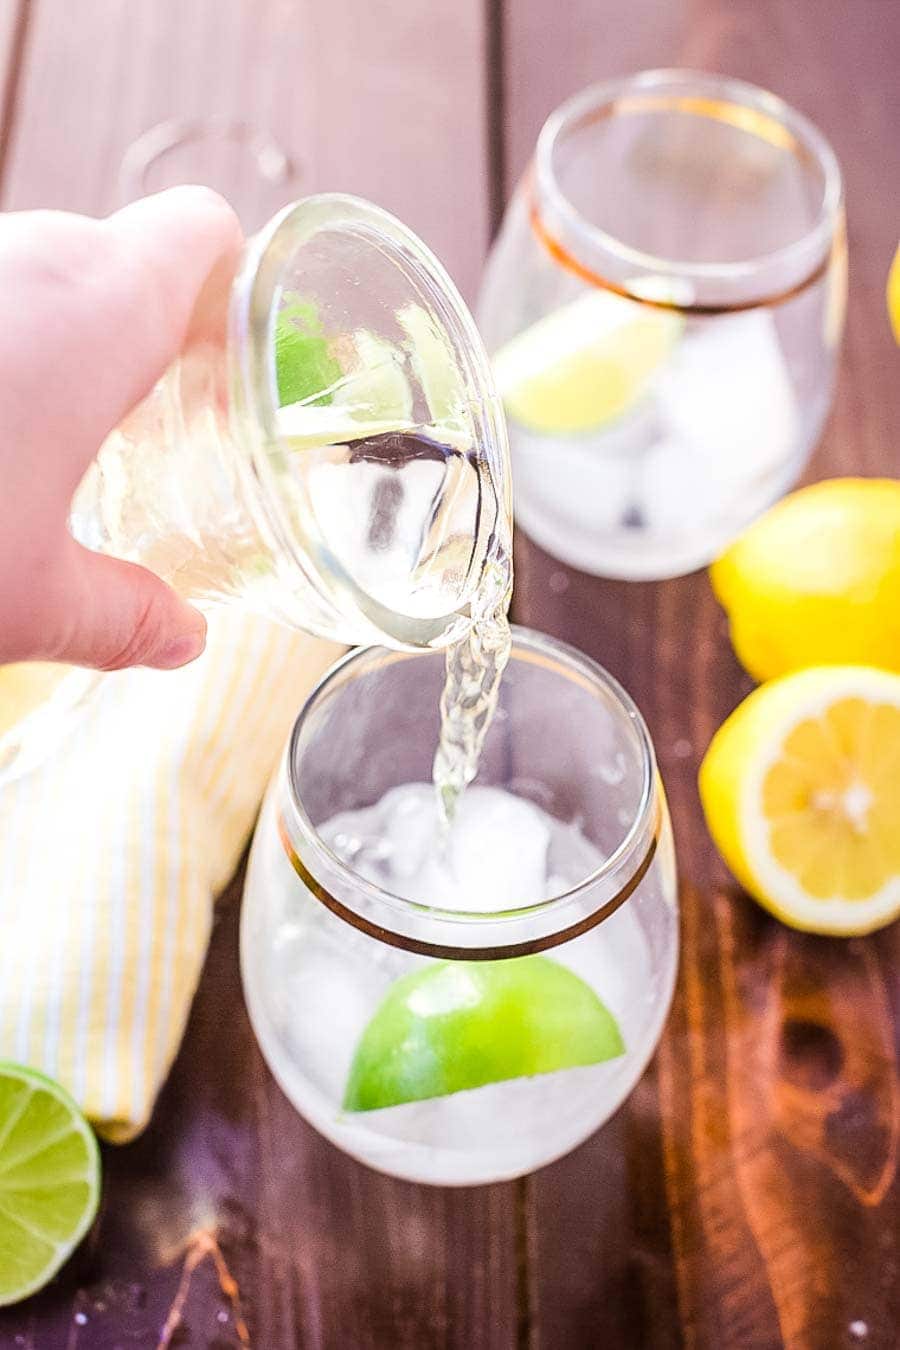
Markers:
point(457, 1025)
point(49, 1180)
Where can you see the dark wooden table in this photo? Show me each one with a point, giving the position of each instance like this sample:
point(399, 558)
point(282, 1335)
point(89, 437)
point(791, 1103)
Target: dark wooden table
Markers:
point(746, 1196)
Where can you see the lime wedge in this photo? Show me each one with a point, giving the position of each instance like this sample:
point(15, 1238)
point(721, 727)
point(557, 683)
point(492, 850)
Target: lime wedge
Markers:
point(584, 365)
point(435, 364)
point(49, 1180)
point(377, 390)
point(461, 1024)
point(306, 426)
point(304, 366)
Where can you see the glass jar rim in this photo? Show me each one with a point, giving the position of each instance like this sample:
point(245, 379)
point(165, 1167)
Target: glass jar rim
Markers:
point(634, 852)
point(254, 298)
point(814, 244)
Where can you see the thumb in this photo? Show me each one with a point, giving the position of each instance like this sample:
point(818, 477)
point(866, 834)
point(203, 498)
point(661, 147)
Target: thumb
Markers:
point(114, 614)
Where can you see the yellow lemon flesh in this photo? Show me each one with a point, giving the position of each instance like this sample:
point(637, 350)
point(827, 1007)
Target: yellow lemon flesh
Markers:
point(585, 364)
point(801, 792)
point(816, 580)
point(893, 295)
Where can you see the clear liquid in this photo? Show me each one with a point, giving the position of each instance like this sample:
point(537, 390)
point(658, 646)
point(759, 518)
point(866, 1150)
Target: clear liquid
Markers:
point(368, 523)
point(469, 698)
point(314, 983)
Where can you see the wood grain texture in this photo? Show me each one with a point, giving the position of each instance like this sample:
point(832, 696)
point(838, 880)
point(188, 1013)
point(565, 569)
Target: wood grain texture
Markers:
point(384, 101)
point(746, 1196)
point(773, 1101)
point(13, 30)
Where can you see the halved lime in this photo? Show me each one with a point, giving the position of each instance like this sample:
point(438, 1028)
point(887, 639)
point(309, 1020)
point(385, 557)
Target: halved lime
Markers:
point(49, 1180)
point(585, 364)
point(462, 1024)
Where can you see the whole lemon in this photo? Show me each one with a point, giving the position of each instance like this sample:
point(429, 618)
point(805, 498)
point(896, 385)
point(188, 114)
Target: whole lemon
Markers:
point(816, 580)
point(893, 295)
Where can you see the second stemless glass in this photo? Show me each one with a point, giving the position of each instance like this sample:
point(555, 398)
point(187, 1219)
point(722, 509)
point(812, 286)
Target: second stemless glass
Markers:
point(328, 955)
point(664, 305)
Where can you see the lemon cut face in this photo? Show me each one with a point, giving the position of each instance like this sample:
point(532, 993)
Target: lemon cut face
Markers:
point(801, 790)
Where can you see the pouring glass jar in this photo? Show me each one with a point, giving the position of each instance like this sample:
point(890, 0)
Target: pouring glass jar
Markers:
point(328, 450)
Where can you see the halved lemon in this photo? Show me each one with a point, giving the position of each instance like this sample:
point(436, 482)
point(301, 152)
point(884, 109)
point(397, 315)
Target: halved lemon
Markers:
point(801, 791)
point(585, 364)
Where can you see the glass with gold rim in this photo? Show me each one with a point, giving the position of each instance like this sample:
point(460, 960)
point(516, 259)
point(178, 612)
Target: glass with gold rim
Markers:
point(460, 1009)
point(664, 306)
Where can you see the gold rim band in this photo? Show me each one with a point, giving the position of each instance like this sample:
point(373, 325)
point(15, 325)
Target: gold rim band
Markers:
point(445, 952)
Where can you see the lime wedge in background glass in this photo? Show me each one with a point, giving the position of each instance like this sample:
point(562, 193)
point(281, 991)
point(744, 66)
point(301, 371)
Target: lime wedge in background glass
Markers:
point(49, 1180)
point(584, 365)
point(462, 1024)
point(377, 388)
point(435, 365)
point(304, 366)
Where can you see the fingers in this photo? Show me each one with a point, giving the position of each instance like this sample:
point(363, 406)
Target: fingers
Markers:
point(111, 614)
point(109, 304)
point(177, 252)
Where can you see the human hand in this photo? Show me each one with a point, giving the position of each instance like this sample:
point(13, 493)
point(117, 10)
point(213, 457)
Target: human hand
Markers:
point(93, 313)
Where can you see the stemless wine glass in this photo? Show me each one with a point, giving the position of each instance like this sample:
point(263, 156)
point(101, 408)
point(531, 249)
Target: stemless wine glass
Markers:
point(462, 1043)
point(664, 305)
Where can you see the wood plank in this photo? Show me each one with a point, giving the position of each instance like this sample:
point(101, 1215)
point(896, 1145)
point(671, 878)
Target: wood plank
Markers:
point(230, 1209)
point(770, 1120)
point(230, 1205)
point(385, 101)
point(13, 27)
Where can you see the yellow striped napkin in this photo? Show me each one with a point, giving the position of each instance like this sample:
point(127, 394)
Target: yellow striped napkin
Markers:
point(111, 853)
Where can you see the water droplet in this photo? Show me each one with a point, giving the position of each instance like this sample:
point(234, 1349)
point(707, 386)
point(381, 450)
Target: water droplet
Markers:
point(682, 748)
point(222, 1316)
point(81, 1319)
point(859, 1330)
point(558, 583)
point(613, 774)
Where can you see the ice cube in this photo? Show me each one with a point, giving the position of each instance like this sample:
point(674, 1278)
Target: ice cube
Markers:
point(727, 395)
point(680, 489)
point(497, 852)
point(583, 483)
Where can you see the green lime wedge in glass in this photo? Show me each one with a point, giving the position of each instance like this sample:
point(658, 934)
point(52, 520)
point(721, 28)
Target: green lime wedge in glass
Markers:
point(49, 1180)
point(462, 1024)
point(304, 366)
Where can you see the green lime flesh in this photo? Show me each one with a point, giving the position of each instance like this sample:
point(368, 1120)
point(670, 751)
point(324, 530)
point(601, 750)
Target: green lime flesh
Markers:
point(304, 367)
point(49, 1180)
point(463, 1024)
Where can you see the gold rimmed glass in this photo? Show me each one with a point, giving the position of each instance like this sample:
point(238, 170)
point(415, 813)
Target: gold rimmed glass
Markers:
point(323, 945)
point(664, 306)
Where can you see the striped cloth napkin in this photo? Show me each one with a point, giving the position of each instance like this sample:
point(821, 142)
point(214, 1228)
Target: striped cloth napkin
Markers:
point(111, 853)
